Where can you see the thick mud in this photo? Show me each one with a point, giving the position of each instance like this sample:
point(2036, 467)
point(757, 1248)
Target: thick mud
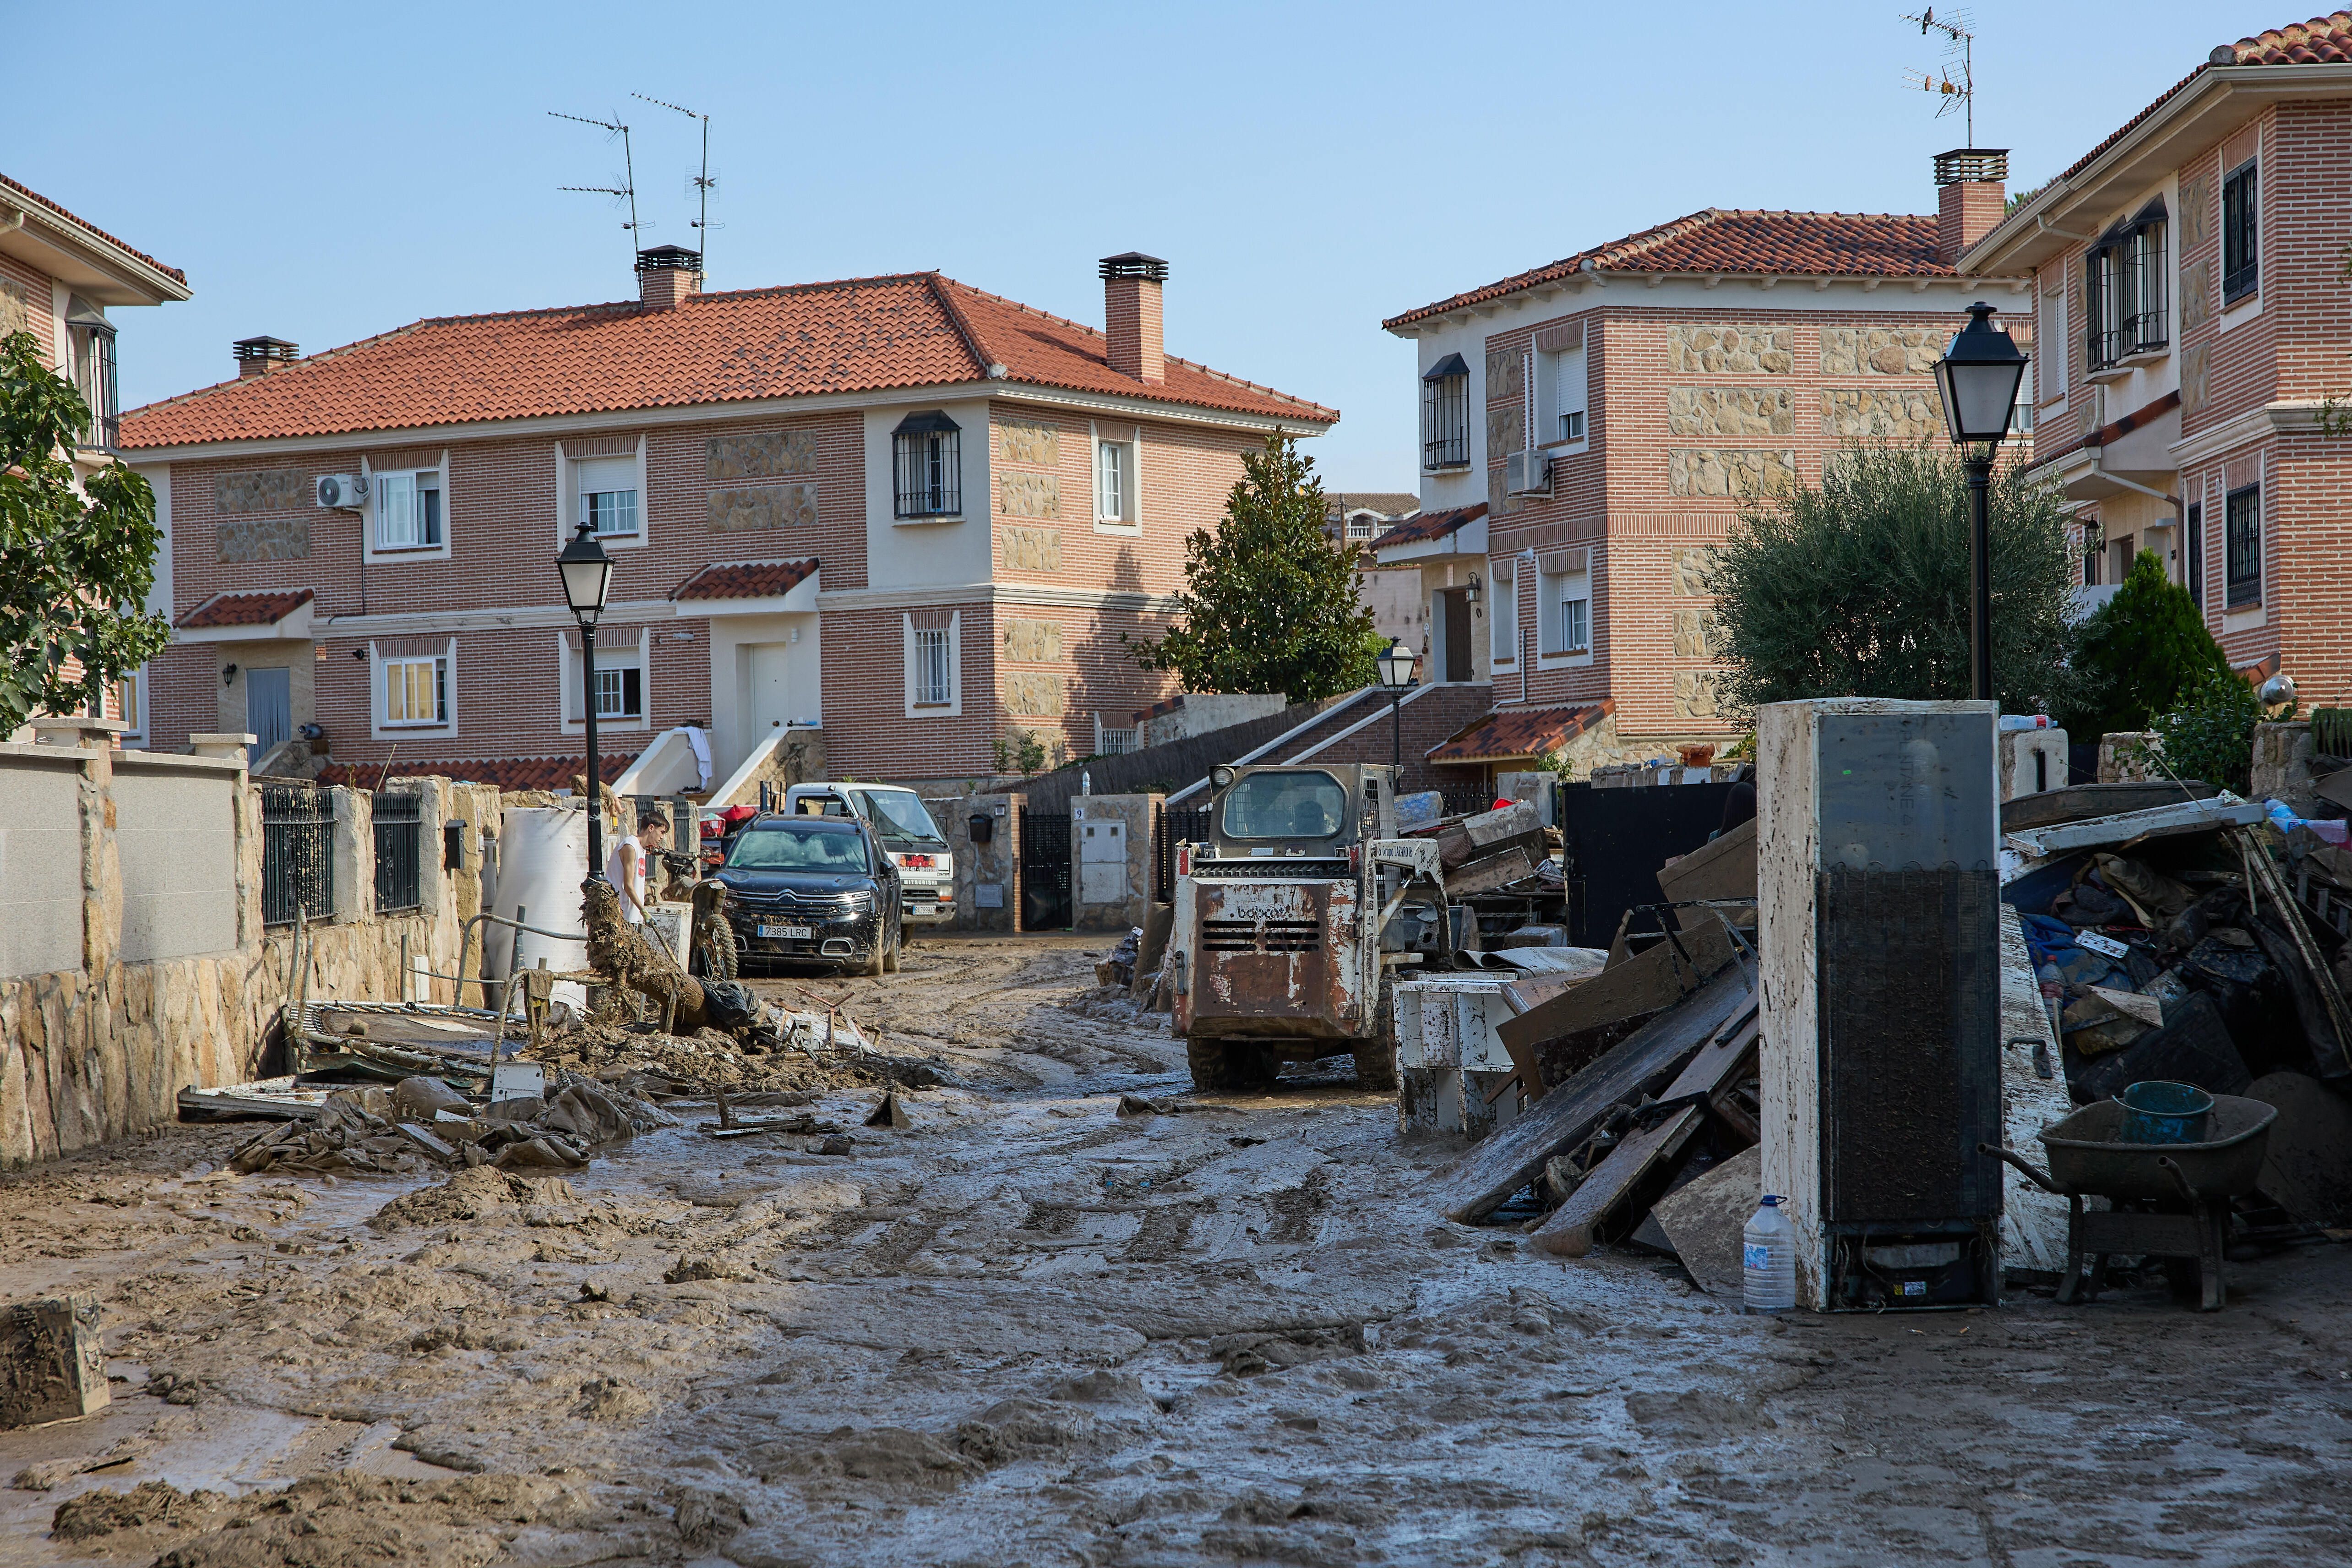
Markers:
point(1027, 1330)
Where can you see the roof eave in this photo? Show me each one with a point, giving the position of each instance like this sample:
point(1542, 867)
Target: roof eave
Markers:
point(91, 266)
point(2037, 231)
point(1412, 323)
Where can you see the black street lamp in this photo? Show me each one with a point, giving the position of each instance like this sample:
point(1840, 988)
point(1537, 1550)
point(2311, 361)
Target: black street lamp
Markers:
point(1978, 378)
point(1396, 674)
point(587, 573)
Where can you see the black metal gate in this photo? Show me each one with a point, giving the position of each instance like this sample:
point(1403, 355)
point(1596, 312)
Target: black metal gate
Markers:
point(1177, 824)
point(1616, 840)
point(297, 853)
point(399, 851)
point(1044, 870)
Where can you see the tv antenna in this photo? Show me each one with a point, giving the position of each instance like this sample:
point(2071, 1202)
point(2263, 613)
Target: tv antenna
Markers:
point(627, 189)
point(702, 182)
point(1959, 43)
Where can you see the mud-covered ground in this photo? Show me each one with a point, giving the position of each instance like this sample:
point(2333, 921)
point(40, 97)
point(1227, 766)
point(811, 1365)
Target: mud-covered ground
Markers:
point(1028, 1331)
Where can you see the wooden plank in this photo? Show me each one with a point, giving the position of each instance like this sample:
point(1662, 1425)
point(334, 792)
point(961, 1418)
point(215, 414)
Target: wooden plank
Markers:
point(1717, 1063)
point(1571, 1229)
point(1649, 980)
point(1723, 867)
point(1641, 1063)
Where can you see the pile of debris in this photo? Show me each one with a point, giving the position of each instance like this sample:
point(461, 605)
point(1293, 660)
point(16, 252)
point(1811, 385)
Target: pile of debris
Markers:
point(422, 1121)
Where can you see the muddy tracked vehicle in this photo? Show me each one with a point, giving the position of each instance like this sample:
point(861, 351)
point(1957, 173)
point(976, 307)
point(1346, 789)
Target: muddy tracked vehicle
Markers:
point(1293, 919)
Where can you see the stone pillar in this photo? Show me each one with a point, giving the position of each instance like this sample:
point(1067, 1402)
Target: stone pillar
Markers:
point(2282, 766)
point(101, 868)
point(2031, 760)
point(988, 874)
point(231, 744)
point(354, 854)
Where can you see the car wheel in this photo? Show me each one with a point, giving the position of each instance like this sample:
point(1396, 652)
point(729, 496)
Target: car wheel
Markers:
point(891, 954)
point(1219, 1064)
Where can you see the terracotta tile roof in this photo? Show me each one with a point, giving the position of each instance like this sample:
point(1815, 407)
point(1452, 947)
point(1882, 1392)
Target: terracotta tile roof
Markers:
point(507, 772)
point(746, 579)
point(1837, 245)
point(245, 609)
point(1509, 732)
point(863, 334)
point(1388, 503)
point(93, 230)
point(1429, 525)
point(2323, 40)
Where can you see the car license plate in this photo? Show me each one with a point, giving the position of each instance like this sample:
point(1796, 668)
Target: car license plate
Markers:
point(791, 933)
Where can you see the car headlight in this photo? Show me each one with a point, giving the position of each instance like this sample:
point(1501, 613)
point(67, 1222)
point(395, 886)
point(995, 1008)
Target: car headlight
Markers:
point(858, 903)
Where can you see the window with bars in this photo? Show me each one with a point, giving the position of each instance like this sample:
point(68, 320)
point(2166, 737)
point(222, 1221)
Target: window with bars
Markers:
point(2194, 528)
point(608, 496)
point(2242, 272)
point(2241, 547)
point(407, 508)
point(417, 690)
point(90, 336)
point(1446, 414)
point(2123, 292)
point(621, 692)
point(934, 670)
point(926, 456)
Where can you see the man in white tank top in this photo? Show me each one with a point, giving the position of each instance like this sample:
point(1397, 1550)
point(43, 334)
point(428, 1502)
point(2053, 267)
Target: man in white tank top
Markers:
point(625, 867)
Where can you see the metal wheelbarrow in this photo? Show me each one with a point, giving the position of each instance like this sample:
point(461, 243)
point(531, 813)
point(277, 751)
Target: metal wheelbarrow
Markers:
point(2087, 1159)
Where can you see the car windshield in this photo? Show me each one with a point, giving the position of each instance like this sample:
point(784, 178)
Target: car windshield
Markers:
point(781, 847)
point(1303, 805)
point(900, 817)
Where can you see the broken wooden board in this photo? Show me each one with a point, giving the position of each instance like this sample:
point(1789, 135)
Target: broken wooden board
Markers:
point(1722, 868)
point(2046, 809)
point(1575, 1226)
point(1489, 1172)
point(52, 1367)
point(1490, 871)
point(1704, 1221)
point(1658, 977)
point(2309, 1168)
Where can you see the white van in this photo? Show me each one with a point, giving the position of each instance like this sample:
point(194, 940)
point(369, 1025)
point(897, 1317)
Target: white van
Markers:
point(908, 836)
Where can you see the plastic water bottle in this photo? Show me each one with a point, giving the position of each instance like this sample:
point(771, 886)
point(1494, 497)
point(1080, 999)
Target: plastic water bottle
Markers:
point(2025, 721)
point(1767, 1260)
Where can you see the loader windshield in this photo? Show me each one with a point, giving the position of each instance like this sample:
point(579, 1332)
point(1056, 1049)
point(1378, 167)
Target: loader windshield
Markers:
point(1302, 805)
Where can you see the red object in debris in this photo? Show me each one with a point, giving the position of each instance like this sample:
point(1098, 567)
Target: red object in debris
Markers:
point(737, 816)
point(1501, 804)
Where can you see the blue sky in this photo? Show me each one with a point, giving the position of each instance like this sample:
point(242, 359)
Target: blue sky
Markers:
point(324, 172)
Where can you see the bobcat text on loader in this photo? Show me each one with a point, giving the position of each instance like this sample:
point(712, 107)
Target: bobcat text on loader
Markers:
point(1291, 920)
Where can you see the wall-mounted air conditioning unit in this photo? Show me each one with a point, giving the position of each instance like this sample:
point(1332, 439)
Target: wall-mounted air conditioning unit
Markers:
point(346, 492)
point(1528, 473)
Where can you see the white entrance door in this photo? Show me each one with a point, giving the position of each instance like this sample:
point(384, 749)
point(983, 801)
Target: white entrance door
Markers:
point(768, 712)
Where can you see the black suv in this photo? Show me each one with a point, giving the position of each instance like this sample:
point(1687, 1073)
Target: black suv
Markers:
point(816, 890)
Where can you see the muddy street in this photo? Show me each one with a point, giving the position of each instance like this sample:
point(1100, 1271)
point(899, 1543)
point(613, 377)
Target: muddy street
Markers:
point(1030, 1330)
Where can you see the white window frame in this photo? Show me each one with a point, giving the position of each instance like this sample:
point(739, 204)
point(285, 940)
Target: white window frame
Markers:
point(1554, 591)
point(953, 706)
point(381, 723)
point(379, 487)
point(1503, 609)
point(136, 679)
point(1127, 442)
point(569, 499)
point(1552, 370)
point(635, 653)
point(2051, 333)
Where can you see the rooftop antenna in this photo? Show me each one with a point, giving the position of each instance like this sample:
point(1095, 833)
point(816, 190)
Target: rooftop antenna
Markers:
point(628, 188)
point(702, 182)
point(1959, 42)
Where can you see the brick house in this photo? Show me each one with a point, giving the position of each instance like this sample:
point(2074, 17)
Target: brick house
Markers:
point(60, 275)
point(1591, 427)
point(2189, 278)
point(1391, 594)
point(900, 513)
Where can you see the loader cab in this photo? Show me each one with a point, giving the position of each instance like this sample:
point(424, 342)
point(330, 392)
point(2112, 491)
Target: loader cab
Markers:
point(1287, 814)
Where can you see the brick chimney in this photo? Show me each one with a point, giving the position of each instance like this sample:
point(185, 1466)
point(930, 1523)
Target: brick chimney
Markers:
point(665, 275)
point(1131, 315)
point(259, 356)
point(1971, 196)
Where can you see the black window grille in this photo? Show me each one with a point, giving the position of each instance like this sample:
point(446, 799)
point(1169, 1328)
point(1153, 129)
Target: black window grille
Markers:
point(2127, 305)
point(90, 336)
point(928, 453)
point(1446, 414)
point(399, 851)
point(2242, 271)
point(2195, 529)
point(1177, 824)
point(2242, 527)
point(2092, 550)
point(298, 854)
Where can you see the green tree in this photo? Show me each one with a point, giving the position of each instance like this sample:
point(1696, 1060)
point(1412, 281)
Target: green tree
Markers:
point(1269, 601)
point(2209, 734)
point(1861, 588)
point(2140, 653)
point(75, 561)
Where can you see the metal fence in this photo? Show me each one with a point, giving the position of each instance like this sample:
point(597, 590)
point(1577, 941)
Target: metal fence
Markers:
point(297, 853)
point(399, 851)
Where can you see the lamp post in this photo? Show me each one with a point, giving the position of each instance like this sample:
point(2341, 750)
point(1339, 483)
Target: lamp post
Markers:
point(1978, 378)
point(587, 573)
point(1396, 674)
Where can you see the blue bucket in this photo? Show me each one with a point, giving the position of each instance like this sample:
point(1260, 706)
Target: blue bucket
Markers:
point(2160, 1112)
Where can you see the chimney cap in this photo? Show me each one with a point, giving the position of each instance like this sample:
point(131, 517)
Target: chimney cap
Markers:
point(669, 259)
point(1967, 165)
point(1134, 264)
point(265, 348)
